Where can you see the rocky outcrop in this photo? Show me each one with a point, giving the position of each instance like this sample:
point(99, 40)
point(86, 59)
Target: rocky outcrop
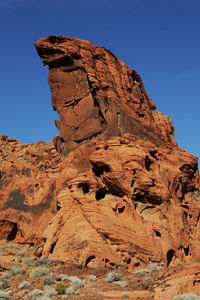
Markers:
point(96, 94)
point(123, 193)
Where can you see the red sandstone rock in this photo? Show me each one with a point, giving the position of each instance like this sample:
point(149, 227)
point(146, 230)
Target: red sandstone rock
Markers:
point(124, 193)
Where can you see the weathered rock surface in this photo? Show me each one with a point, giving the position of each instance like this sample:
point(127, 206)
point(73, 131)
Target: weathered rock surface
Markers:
point(123, 193)
point(96, 94)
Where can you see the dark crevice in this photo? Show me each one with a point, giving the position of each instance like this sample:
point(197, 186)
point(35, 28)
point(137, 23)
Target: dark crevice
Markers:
point(157, 233)
point(99, 170)
point(153, 154)
point(121, 209)
point(58, 207)
point(84, 186)
point(13, 232)
point(186, 250)
point(198, 219)
point(106, 236)
point(147, 163)
point(129, 261)
point(185, 206)
point(52, 247)
point(88, 260)
point(170, 254)
point(100, 194)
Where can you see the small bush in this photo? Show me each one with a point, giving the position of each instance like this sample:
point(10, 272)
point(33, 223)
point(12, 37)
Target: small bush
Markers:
point(62, 277)
point(124, 295)
point(49, 292)
point(20, 253)
point(60, 288)
point(42, 261)
point(153, 267)
point(20, 158)
point(141, 272)
point(16, 270)
point(4, 295)
point(24, 284)
point(2, 249)
point(35, 293)
point(27, 260)
point(75, 280)
point(122, 283)
point(40, 271)
point(4, 284)
point(71, 291)
point(92, 278)
point(19, 294)
point(49, 281)
point(11, 245)
point(112, 276)
point(187, 297)
point(6, 275)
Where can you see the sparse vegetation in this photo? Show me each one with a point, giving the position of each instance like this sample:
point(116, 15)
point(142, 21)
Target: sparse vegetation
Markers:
point(40, 271)
point(112, 276)
point(60, 288)
point(24, 284)
point(35, 293)
point(4, 295)
point(27, 260)
point(187, 297)
point(4, 284)
point(48, 281)
point(124, 295)
point(92, 278)
point(122, 283)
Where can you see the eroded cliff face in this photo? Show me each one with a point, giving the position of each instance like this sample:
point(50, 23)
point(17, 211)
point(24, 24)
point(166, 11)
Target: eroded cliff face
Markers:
point(123, 193)
point(96, 94)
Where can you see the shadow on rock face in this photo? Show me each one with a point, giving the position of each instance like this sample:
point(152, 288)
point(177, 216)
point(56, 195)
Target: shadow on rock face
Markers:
point(96, 94)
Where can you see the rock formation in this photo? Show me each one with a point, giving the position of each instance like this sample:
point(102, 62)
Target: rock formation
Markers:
point(114, 188)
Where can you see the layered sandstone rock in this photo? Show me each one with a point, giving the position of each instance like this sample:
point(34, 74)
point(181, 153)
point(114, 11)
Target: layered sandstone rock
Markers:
point(96, 94)
point(123, 193)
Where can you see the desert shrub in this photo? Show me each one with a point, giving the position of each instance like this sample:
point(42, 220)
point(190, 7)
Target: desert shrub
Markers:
point(40, 271)
point(16, 270)
point(4, 295)
point(60, 288)
point(42, 261)
point(92, 278)
point(20, 253)
point(187, 297)
point(48, 281)
point(141, 272)
point(27, 260)
point(124, 295)
point(6, 275)
point(62, 277)
point(35, 293)
point(197, 196)
point(24, 284)
point(4, 284)
point(112, 276)
point(71, 291)
point(20, 158)
point(77, 281)
point(153, 267)
point(122, 283)
point(19, 294)
point(49, 292)
point(11, 245)
point(2, 249)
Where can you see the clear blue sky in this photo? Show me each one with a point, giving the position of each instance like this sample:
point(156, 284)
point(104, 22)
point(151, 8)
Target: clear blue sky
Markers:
point(160, 39)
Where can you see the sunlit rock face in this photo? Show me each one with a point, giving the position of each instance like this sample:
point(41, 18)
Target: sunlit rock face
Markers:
point(96, 94)
point(114, 188)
